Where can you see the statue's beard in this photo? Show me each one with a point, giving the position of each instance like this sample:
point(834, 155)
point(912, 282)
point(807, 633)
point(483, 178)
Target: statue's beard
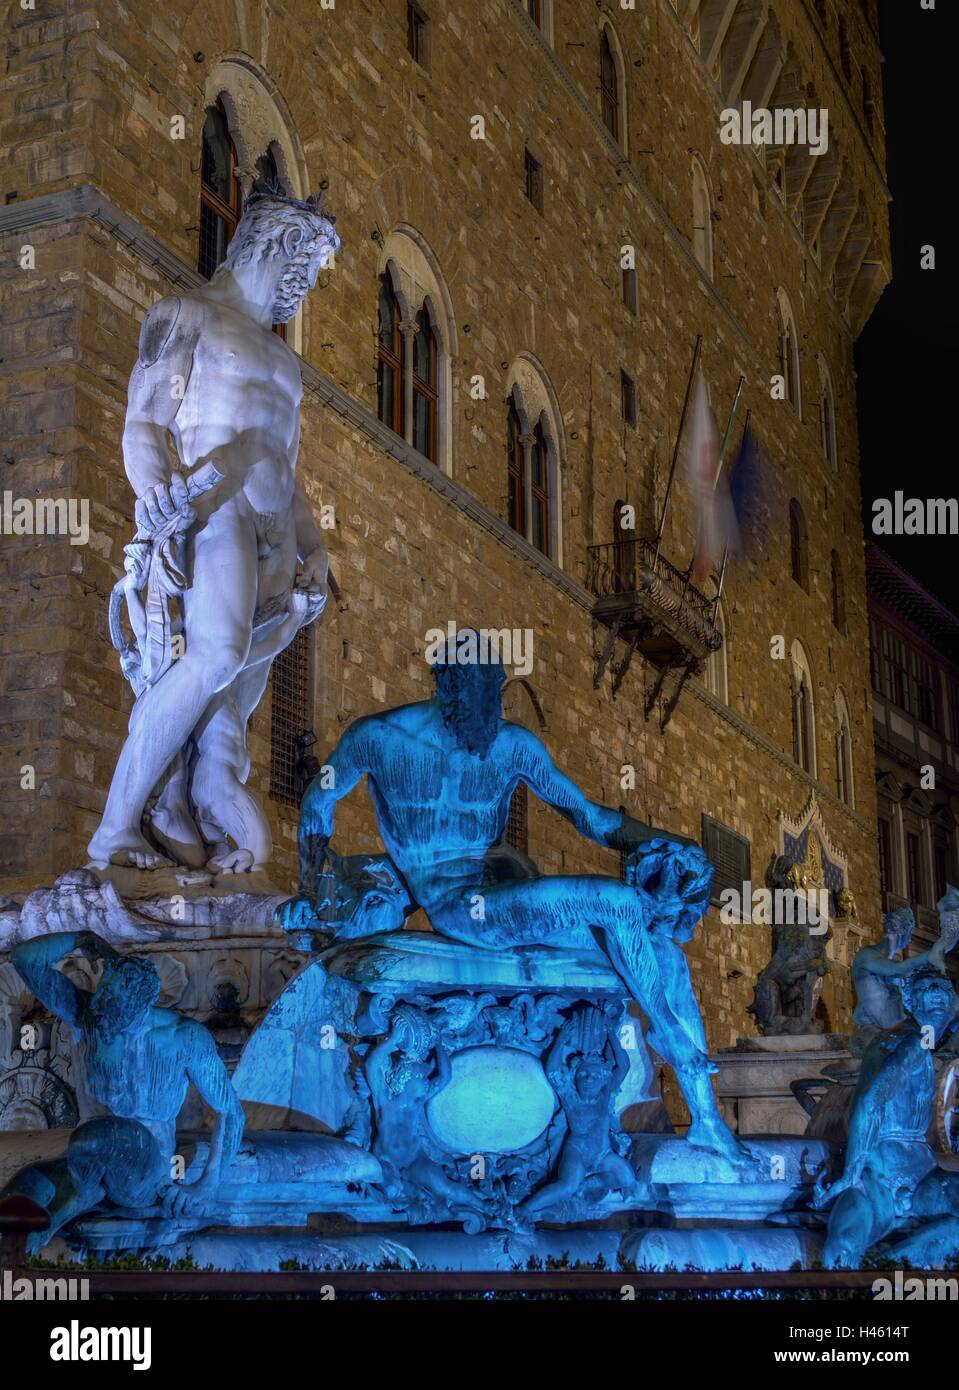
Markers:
point(474, 723)
point(293, 288)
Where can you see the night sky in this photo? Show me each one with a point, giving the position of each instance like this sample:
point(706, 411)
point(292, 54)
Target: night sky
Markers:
point(906, 357)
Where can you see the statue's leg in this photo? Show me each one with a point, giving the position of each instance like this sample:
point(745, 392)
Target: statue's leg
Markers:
point(570, 1175)
point(428, 1174)
point(55, 1188)
point(218, 613)
point(555, 910)
point(226, 808)
point(859, 1217)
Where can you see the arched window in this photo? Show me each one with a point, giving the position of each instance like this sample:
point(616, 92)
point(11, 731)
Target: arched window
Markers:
point(423, 335)
point(268, 170)
point(838, 594)
point(803, 712)
point(844, 773)
point(702, 218)
point(219, 190)
point(798, 545)
point(827, 416)
point(609, 85)
point(424, 385)
point(534, 445)
point(789, 353)
point(390, 358)
point(539, 489)
point(515, 470)
point(264, 145)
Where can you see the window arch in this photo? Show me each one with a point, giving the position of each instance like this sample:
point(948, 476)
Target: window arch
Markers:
point(390, 357)
point(827, 416)
point(702, 217)
point(515, 470)
point(534, 457)
point(264, 144)
point(838, 594)
point(803, 711)
point(414, 375)
point(798, 545)
point(612, 85)
point(789, 351)
point(219, 189)
point(845, 789)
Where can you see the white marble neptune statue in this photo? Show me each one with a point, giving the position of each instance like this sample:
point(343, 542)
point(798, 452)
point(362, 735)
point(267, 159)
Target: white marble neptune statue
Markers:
point(228, 562)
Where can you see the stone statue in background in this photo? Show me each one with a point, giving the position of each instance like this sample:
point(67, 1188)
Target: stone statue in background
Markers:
point(441, 774)
point(211, 587)
point(139, 1061)
point(789, 988)
point(878, 971)
point(891, 1176)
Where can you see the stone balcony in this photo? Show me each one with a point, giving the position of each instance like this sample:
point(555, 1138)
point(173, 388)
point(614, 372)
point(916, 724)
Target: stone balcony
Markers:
point(653, 606)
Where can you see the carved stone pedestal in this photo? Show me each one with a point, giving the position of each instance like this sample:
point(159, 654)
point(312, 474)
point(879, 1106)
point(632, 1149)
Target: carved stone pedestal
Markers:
point(754, 1080)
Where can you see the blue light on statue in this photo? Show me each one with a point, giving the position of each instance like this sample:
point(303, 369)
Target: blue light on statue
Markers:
point(497, 1100)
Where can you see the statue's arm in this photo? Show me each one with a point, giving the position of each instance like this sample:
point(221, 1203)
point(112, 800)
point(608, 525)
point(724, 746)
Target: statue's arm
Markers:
point(156, 388)
point(878, 964)
point(206, 1070)
point(595, 822)
point(866, 1118)
point(36, 963)
point(348, 762)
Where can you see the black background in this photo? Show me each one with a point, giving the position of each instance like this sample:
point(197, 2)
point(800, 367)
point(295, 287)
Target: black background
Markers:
point(906, 360)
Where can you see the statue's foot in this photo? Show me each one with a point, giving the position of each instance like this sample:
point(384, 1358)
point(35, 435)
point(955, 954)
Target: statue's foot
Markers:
point(128, 850)
point(234, 861)
point(714, 1135)
point(176, 831)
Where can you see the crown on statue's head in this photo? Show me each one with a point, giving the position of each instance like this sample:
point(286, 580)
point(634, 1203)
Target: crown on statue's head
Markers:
point(273, 189)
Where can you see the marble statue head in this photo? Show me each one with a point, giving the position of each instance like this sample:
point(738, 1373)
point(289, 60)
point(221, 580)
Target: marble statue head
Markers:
point(128, 987)
point(295, 232)
point(929, 996)
point(469, 677)
point(898, 927)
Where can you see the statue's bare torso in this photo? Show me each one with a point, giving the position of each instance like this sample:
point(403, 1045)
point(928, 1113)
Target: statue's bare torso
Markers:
point(241, 403)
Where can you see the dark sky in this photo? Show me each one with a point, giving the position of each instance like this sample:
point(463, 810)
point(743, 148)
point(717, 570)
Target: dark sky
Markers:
point(906, 357)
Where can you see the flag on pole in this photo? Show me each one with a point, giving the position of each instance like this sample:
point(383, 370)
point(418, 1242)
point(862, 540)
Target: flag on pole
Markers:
point(716, 530)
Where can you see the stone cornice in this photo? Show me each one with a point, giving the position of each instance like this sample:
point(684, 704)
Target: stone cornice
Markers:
point(87, 201)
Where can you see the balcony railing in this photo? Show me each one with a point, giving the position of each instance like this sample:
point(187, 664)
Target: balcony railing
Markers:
point(640, 595)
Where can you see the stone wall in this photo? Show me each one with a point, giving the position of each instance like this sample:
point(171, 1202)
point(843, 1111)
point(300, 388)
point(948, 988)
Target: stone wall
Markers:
point(90, 96)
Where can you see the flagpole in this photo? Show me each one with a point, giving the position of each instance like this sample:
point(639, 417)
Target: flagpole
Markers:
point(728, 431)
point(722, 570)
point(722, 458)
point(679, 437)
